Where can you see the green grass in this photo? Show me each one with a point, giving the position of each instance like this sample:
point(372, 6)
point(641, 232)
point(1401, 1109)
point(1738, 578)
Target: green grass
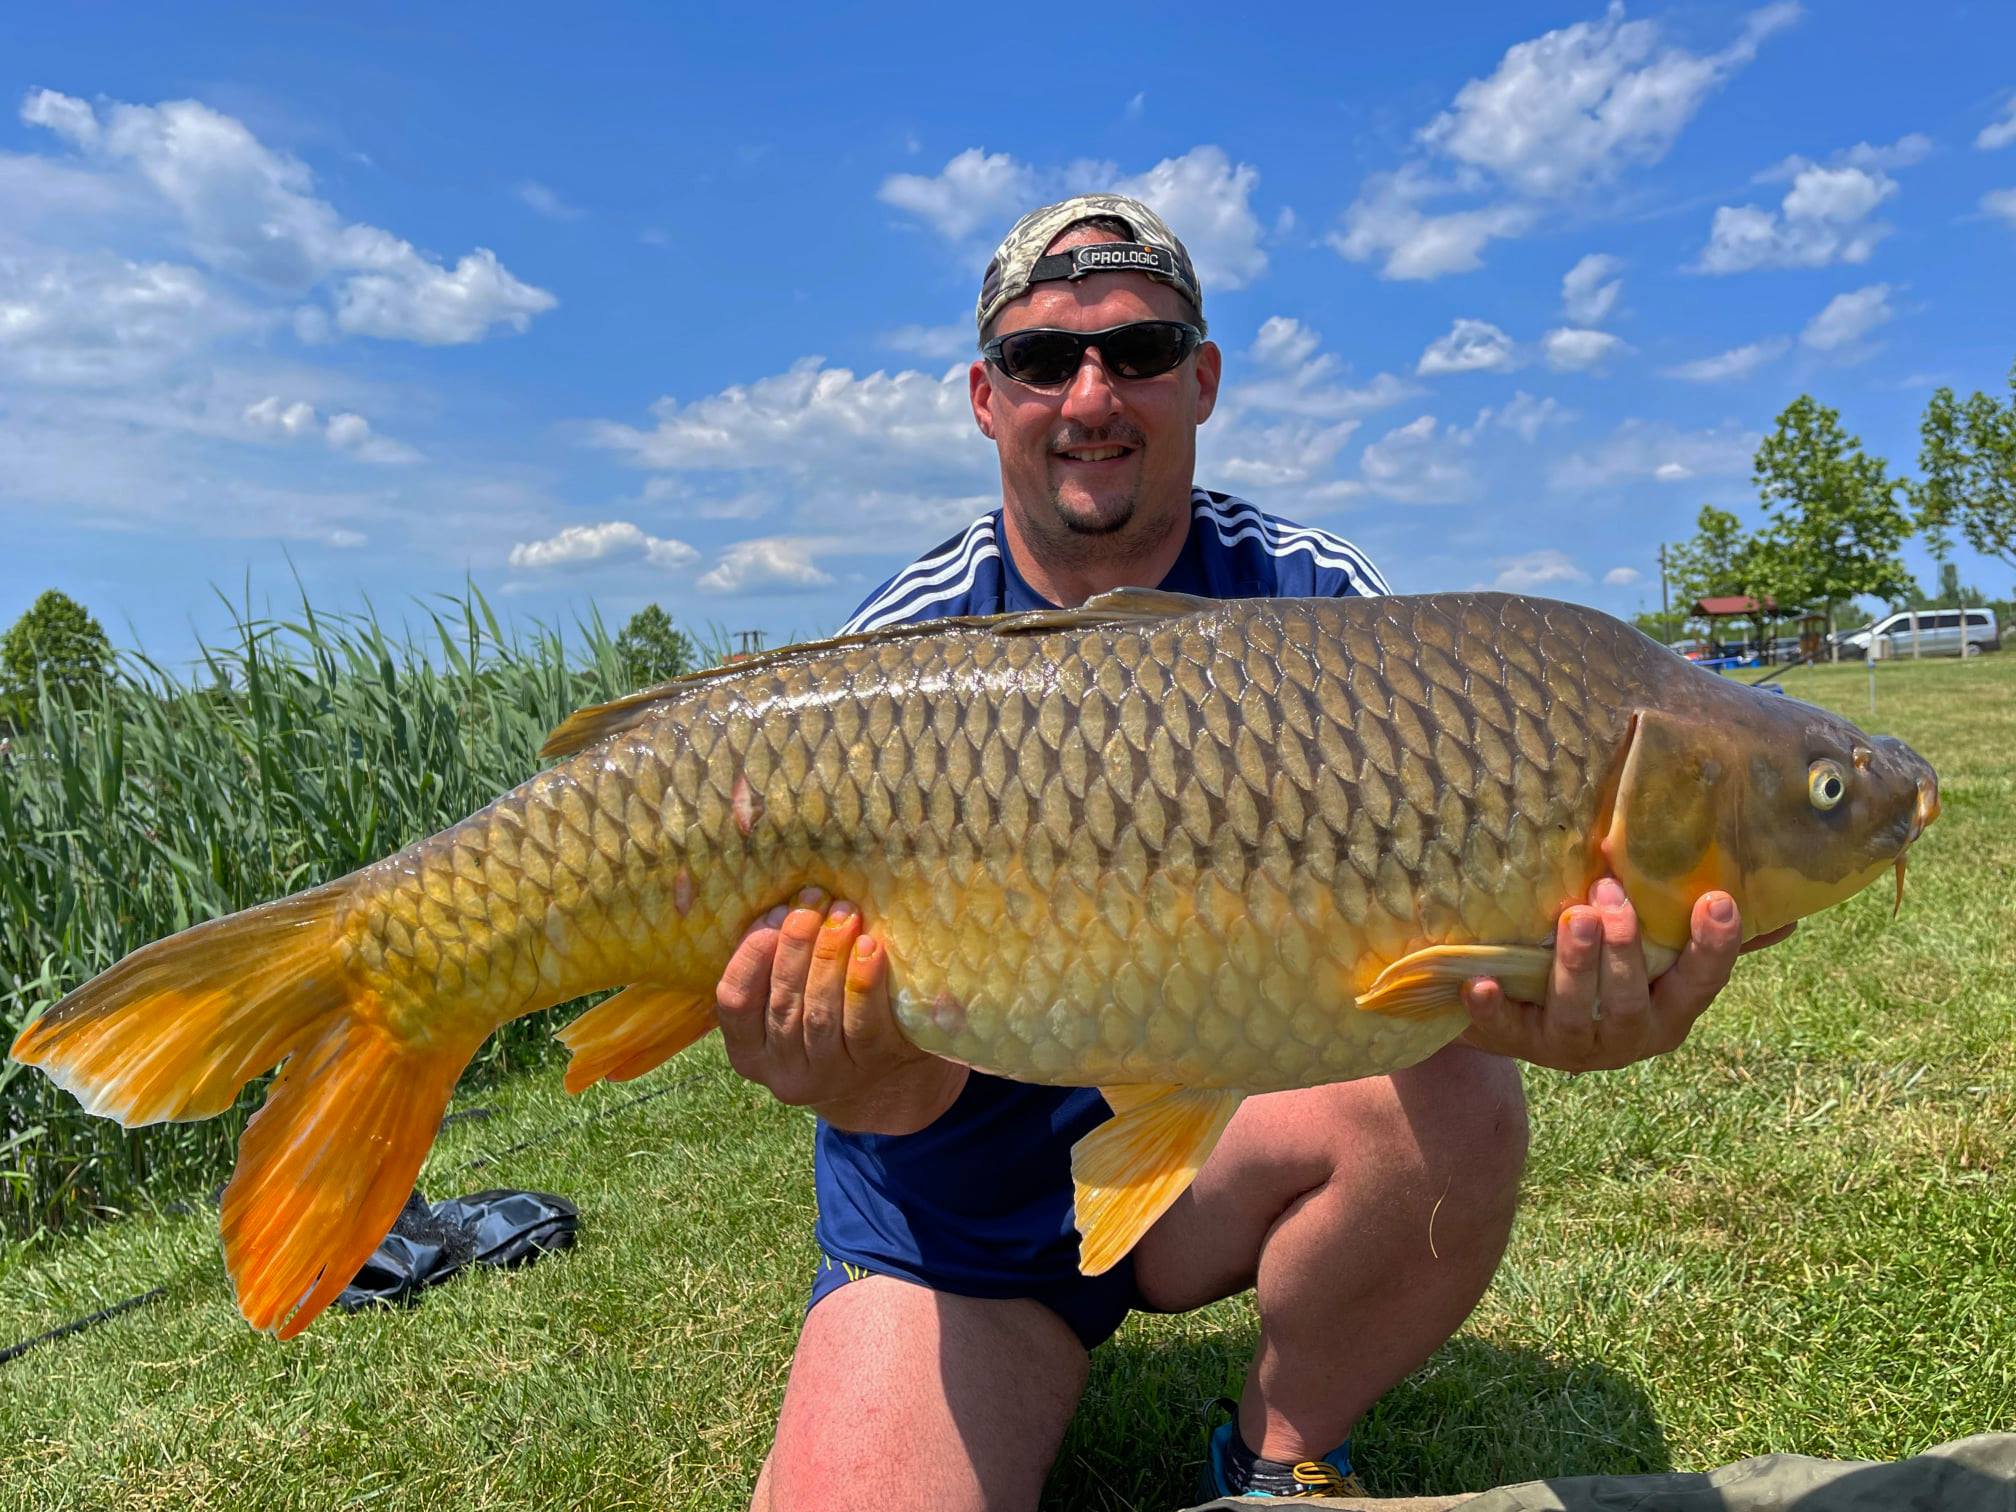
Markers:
point(1797, 1233)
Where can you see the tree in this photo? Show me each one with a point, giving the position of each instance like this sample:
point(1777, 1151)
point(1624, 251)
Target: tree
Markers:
point(1952, 594)
point(1834, 523)
point(1967, 452)
point(1719, 562)
point(56, 643)
point(652, 650)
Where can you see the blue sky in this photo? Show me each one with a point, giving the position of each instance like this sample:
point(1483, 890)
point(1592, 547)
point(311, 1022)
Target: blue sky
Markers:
point(669, 306)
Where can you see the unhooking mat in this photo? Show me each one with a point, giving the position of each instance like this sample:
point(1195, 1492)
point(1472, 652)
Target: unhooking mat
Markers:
point(1969, 1475)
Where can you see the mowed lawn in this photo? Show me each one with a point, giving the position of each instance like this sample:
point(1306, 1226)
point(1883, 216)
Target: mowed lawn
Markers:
point(1797, 1233)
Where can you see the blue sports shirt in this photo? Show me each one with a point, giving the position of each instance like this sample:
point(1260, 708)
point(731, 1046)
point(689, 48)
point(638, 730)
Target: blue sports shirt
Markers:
point(979, 1203)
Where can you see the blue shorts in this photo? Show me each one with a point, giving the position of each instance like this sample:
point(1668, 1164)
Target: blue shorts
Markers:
point(1092, 1307)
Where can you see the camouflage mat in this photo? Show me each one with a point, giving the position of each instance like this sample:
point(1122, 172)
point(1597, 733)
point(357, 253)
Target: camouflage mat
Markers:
point(1970, 1475)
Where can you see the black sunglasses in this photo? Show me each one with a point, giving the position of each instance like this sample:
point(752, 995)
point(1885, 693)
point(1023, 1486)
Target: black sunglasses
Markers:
point(1044, 357)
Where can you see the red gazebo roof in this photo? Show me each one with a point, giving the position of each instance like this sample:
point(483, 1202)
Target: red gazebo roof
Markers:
point(1735, 603)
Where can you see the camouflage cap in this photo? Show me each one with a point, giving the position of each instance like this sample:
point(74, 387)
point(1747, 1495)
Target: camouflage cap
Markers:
point(1019, 261)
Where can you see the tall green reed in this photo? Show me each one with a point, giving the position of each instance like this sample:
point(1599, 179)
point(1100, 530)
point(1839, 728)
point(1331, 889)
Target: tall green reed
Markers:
point(305, 748)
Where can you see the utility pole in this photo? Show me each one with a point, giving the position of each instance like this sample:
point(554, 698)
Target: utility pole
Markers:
point(1665, 609)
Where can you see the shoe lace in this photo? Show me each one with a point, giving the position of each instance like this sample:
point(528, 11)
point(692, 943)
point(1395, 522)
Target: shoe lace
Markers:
point(1321, 1478)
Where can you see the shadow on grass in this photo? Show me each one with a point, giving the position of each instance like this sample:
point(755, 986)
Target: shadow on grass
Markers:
point(1476, 1416)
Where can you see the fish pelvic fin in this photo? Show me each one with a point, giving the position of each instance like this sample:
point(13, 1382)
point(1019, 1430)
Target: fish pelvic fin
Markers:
point(326, 1164)
point(177, 1028)
point(1429, 983)
point(636, 1031)
point(1129, 1170)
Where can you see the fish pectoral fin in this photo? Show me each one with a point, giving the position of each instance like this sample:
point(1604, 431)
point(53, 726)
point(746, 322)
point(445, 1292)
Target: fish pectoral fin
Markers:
point(636, 1031)
point(1127, 1171)
point(1430, 982)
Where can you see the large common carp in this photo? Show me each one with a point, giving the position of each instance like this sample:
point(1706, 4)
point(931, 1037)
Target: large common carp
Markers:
point(1179, 849)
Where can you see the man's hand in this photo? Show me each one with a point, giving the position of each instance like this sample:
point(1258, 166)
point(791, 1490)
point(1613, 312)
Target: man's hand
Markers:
point(804, 1007)
point(1601, 1012)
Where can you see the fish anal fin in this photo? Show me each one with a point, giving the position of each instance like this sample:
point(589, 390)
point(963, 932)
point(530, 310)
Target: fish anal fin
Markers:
point(1129, 1170)
point(1126, 1099)
point(1429, 982)
point(636, 1031)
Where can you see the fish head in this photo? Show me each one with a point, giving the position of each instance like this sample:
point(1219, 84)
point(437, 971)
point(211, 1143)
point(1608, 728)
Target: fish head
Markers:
point(1786, 807)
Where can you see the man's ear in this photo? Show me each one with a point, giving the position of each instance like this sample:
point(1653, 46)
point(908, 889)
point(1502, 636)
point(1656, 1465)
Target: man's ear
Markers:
point(980, 390)
point(1210, 367)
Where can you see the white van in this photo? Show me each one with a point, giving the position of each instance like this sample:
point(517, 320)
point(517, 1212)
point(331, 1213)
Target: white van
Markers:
point(1926, 632)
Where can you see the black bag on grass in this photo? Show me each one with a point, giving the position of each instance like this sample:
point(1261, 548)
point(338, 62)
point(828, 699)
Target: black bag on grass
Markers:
point(428, 1244)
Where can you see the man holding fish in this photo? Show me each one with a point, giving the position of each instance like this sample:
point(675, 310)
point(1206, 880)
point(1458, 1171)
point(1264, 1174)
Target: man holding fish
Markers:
point(1206, 921)
point(945, 1349)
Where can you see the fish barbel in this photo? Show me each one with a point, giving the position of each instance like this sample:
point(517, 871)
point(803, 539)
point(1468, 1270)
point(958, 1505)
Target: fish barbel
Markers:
point(1180, 849)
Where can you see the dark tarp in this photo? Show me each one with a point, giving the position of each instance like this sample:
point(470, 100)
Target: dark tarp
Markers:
point(1970, 1475)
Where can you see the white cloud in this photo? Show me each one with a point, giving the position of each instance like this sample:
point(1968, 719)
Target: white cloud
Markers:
point(547, 201)
point(250, 212)
point(344, 432)
point(1999, 133)
point(1564, 113)
point(1386, 221)
point(1621, 577)
point(1573, 108)
point(1522, 414)
point(1207, 202)
point(941, 343)
point(95, 320)
point(1588, 290)
point(1655, 450)
point(1293, 378)
point(1848, 318)
point(1737, 362)
point(1472, 346)
point(2001, 203)
point(1203, 195)
point(1137, 106)
point(1575, 351)
point(579, 544)
point(1536, 569)
point(810, 419)
point(269, 414)
point(976, 191)
point(778, 563)
point(1824, 217)
point(1415, 465)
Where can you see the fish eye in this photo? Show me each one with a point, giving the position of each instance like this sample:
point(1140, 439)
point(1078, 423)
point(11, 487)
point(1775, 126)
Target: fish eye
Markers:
point(1825, 784)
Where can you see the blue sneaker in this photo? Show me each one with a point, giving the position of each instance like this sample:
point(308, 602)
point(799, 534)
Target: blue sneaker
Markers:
point(1231, 1469)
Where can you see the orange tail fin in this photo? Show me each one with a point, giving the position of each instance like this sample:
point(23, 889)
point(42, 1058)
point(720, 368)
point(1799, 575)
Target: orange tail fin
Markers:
point(176, 1030)
point(325, 1166)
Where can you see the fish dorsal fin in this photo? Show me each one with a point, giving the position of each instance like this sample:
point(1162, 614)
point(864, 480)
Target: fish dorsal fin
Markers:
point(1122, 606)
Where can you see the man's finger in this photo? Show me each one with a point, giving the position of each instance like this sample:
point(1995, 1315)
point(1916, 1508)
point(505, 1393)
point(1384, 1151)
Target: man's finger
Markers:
point(1574, 981)
point(744, 991)
point(792, 962)
point(1704, 966)
point(1622, 996)
point(872, 1036)
point(826, 981)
